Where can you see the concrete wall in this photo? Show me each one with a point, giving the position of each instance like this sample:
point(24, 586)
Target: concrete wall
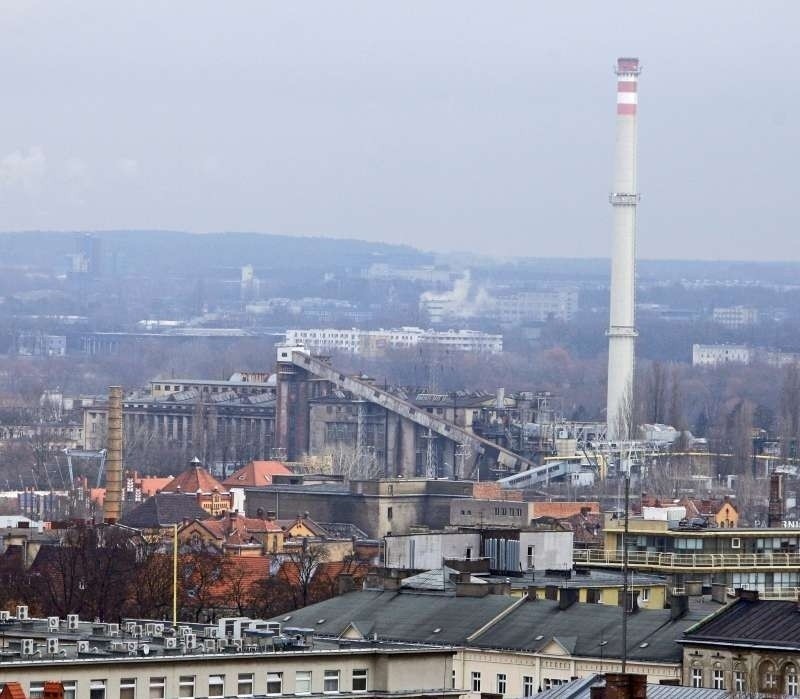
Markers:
point(552, 550)
point(428, 551)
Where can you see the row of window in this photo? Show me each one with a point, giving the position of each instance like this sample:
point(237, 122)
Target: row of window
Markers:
point(188, 686)
point(769, 680)
point(501, 683)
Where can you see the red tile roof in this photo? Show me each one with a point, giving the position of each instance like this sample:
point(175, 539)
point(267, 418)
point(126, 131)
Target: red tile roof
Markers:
point(256, 473)
point(12, 690)
point(194, 479)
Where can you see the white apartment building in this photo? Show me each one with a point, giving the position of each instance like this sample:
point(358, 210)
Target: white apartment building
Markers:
point(535, 306)
point(376, 342)
point(240, 657)
point(735, 316)
point(715, 355)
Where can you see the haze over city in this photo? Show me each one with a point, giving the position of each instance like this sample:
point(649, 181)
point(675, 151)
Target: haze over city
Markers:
point(449, 126)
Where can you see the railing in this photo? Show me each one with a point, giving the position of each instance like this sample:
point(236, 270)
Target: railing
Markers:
point(688, 561)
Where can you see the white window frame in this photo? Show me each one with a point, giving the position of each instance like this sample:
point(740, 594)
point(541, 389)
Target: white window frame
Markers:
point(186, 682)
point(36, 689)
point(330, 676)
point(70, 688)
point(527, 686)
point(475, 681)
point(274, 678)
point(718, 679)
point(247, 678)
point(97, 685)
point(157, 683)
point(644, 595)
point(127, 683)
point(360, 674)
point(501, 682)
point(309, 676)
point(216, 686)
point(736, 542)
point(791, 686)
point(697, 677)
point(739, 681)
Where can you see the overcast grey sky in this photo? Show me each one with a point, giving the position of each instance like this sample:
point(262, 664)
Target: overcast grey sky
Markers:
point(482, 126)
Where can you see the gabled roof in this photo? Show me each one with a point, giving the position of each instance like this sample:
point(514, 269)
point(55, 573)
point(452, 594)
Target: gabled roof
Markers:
point(163, 510)
point(151, 485)
point(236, 529)
point(12, 690)
point(194, 479)
point(256, 473)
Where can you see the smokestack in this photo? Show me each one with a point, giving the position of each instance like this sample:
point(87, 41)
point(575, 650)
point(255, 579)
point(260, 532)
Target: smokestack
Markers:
point(112, 504)
point(624, 198)
point(776, 511)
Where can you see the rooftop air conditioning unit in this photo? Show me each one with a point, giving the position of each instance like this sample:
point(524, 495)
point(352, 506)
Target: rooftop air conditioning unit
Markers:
point(222, 643)
point(5, 616)
point(149, 629)
point(237, 643)
point(112, 629)
point(131, 646)
point(170, 643)
point(52, 623)
point(83, 646)
point(27, 646)
point(210, 632)
point(72, 622)
point(191, 641)
point(22, 612)
point(52, 646)
point(184, 630)
point(209, 645)
point(130, 627)
point(158, 629)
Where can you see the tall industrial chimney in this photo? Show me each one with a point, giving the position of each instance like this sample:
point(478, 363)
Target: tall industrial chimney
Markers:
point(624, 198)
point(112, 504)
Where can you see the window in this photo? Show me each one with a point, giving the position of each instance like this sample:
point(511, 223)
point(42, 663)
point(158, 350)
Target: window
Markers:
point(501, 683)
point(360, 680)
point(769, 681)
point(697, 677)
point(330, 681)
point(127, 688)
point(185, 686)
point(790, 683)
point(739, 681)
point(97, 689)
point(736, 543)
point(644, 595)
point(527, 686)
point(216, 686)
point(719, 679)
point(274, 683)
point(36, 690)
point(158, 687)
point(389, 513)
point(244, 685)
point(530, 557)
point(593, 595)
point(476, 681)
point(302, 682)
point(468, 554)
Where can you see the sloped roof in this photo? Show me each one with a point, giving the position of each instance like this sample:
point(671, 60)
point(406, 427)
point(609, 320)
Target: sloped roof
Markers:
point(164, 509)
point(12, 690)
point(235, 528)
point(256, 473)
point(403, 616)
point(752, 623)
point(195, 479)
point(151, 485)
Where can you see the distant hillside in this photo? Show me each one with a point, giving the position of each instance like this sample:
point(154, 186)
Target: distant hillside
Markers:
point(177, 252)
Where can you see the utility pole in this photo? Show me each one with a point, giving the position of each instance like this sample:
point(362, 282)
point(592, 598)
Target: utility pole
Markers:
point(625, 573)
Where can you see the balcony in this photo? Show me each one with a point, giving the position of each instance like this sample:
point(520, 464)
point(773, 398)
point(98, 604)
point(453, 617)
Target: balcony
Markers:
point(678, 562)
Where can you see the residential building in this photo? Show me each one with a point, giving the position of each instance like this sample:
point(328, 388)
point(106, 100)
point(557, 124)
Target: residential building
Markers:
point(235, 657)
point(735, 316)
point(715, 355)
point(159, 514)
point(198, 483)
point(234, 534)
point(697, 555)
point(377, 342)
point(751, 647)
point(615, 685)
point(510, 646)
